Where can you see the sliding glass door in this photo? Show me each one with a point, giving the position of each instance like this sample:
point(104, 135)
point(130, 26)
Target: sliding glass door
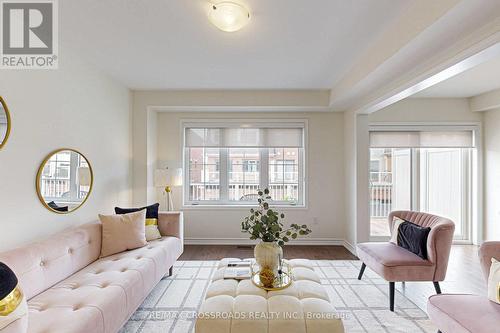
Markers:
point(437, 180)
point(445, 185)
point(390, 185)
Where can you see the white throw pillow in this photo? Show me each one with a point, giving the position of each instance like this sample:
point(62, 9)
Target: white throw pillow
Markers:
point(493, 281)
point(396, 222)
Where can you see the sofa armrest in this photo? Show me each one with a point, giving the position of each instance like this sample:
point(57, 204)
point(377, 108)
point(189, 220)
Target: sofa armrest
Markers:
point(487, 251)
point(171, 224)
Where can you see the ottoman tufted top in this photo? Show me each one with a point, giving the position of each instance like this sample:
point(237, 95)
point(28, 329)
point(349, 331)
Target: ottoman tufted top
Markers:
point(240, 306)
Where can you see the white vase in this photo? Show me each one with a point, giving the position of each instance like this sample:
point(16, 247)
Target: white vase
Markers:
point(267, 254)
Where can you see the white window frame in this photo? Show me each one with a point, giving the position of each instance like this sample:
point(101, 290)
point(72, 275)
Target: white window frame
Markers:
point(473, 231)
point(264, 160)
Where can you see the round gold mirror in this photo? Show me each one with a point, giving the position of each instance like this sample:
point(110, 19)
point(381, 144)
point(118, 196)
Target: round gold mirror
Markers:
point(64, 181)
point(5, 123)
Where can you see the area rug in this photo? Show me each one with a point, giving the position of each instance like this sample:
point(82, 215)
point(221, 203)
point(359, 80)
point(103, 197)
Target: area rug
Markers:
point(363, 305)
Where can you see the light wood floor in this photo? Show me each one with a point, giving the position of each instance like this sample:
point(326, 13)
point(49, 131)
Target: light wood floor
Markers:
point(464, 276)
point(464, 271)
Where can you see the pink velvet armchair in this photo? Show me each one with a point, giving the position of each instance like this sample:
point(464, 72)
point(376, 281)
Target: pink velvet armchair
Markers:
point(396, 264)
point(458, 313)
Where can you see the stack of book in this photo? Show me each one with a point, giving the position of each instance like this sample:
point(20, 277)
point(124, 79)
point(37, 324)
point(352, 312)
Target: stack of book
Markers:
point(238, 270)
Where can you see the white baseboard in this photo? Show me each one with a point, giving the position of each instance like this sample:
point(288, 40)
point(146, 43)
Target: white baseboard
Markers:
point(350, 247)
point(246, 241)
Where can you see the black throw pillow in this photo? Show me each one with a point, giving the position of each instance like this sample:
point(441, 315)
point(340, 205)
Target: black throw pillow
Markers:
point(54, 206)
point(8, 280)
point(151, 211)
point(413, 238)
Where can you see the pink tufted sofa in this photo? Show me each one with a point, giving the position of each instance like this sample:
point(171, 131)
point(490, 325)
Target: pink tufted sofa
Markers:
point(70, 289)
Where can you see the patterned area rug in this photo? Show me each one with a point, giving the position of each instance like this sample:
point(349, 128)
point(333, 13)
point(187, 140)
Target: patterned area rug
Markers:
point(363, 305)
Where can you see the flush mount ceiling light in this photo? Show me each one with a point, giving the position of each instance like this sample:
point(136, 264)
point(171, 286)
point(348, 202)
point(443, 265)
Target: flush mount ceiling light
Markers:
point(228, 16)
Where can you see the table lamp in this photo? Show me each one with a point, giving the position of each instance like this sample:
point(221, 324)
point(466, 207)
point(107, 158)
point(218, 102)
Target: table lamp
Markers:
point(166, 179)
point(84, 176)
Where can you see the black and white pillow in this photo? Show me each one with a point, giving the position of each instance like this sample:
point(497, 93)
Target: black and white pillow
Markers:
point(152, 231)
point(54, 206)
point(410, 236)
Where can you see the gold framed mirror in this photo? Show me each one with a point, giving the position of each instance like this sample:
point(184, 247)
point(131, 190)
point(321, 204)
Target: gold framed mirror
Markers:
point(5, 122)
point(64, 181)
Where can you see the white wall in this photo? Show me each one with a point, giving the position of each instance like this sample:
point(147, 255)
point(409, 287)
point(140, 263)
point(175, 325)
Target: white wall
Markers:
point(76, 107)
point(356, 180)
point(427, 110)
point(350, 177)
point(492, 174)
point(325, 211)
point(144, 135)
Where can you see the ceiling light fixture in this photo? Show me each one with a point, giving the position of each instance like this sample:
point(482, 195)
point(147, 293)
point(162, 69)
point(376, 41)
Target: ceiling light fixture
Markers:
point(228, 16)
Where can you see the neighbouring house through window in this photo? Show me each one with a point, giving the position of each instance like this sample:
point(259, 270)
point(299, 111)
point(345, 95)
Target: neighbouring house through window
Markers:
point(226, 164)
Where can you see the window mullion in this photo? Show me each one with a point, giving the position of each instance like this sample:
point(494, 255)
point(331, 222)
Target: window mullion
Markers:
point(187, 176)
point(301, 176)
point(264, 168)
point(416, 174)
point(224, 175)
point(73, 167)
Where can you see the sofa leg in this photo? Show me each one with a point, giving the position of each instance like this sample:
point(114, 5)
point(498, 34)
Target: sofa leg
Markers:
point(437, 287)
point(392, 286)
point(171, 271)
point(363, 266)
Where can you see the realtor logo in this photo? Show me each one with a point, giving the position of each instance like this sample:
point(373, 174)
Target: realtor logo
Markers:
point(29, 34)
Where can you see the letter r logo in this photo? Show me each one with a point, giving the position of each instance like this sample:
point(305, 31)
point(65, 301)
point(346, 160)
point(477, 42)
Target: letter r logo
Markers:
point(27, 27)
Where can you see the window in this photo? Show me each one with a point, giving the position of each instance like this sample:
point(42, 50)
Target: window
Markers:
point(59, 180)
point(227, 164)
point(204, 173)
point(284, 173)
point(423, 170)
point(244, 173)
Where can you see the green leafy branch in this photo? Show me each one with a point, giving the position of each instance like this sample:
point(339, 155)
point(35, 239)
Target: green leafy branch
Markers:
point(266, 224)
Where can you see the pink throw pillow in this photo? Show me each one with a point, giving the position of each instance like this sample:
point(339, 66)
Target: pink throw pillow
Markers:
point(122, 232)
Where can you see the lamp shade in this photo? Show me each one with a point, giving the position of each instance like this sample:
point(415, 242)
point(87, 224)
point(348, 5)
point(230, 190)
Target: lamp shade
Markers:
point(165, 177)
point(177, 178)
point(161, 178)
point(84, 176)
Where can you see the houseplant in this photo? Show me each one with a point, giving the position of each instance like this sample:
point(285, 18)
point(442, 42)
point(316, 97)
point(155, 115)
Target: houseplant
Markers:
point(266, 224)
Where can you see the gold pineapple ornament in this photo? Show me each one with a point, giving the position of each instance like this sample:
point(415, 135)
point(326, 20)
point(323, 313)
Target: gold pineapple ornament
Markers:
point(266, 276)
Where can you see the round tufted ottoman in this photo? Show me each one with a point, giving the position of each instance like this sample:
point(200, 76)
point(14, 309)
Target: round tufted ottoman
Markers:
point(233, 306)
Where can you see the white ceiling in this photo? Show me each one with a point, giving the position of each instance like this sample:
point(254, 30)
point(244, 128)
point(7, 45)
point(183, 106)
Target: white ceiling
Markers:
point(475, 81)
point(170, 44)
